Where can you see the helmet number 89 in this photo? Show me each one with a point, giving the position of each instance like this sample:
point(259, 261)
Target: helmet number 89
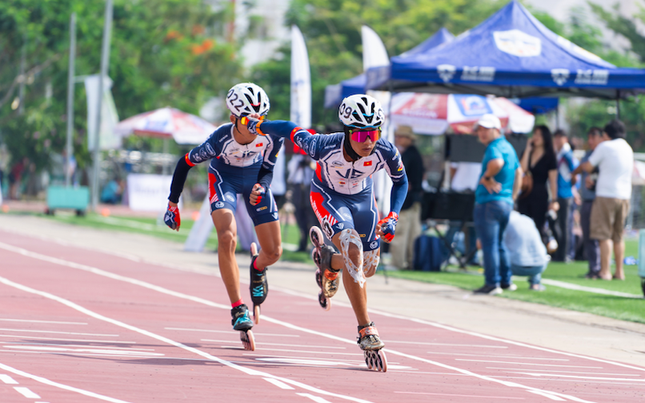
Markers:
point(346, 111)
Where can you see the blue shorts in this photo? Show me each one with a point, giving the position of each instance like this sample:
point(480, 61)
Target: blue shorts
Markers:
point(224, 186)
point(337, 212)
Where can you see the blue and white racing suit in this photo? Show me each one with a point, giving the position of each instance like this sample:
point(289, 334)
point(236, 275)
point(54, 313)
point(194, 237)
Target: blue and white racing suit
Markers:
point(342, 193)
point(235, 168)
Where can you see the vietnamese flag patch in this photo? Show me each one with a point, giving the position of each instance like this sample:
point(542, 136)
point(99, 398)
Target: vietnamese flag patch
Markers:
point(259, 144)
point(367, 163)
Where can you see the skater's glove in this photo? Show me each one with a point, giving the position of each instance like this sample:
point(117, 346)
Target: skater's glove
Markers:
point(256, 194)
point(387, 226)
point(252, 123)
point(171, 218)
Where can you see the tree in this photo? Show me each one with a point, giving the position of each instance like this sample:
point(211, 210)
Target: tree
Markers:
point(332, 31)
point(163, 52)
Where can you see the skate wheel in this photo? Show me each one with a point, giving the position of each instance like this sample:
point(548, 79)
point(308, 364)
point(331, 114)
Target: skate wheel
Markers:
point(376, 360)
point(256, 314)
point(325, 303)
point(248, 341)
point(319, 278)
point(254, 249)
point(316, 237)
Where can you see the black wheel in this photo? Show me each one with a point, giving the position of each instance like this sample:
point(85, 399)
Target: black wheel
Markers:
point(248, 341)
point(325, 303)
point(319, 278)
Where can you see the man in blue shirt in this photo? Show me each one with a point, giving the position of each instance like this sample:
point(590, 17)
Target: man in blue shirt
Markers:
point(498, 187)
point(564, 223)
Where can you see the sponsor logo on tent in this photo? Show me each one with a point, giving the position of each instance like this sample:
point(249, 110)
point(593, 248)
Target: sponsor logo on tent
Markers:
point(560, 76)
point(478, 74)
point(594, 77)
point(518, 43)
point(446, 71)
point(472, 105)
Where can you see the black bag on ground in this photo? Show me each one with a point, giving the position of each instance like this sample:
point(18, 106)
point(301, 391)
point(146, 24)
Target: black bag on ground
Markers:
point(428, 255)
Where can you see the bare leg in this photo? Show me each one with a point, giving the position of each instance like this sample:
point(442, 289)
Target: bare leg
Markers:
point(270, 243)
point(357, 295)
point(619, 255)
point(226, 227)
point(605, 259)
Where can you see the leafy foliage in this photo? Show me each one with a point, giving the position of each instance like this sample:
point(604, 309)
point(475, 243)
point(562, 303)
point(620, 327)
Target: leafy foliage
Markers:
point(163, 52)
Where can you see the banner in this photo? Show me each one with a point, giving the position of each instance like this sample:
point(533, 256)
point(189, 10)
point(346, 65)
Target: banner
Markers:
point(300, 80)
point(374, 53)
point(109, 118)
point(148, 192)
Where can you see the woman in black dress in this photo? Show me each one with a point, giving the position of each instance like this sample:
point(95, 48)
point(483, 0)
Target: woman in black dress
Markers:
point(539, 163)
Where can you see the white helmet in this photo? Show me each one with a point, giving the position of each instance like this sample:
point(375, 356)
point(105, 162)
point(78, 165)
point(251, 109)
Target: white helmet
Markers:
point(247, 98)
point(361, 111)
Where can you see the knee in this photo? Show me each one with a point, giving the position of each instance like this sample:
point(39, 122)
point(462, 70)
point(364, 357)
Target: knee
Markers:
point(227, 241)
point(355, 254)
point(273, 253)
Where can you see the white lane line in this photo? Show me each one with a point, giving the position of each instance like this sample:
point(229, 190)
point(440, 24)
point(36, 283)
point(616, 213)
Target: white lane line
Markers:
point(296, 351)
point(274, 344)
point(26, 392)
point(594, 290)
point(51, 331)
point(596, 378)
point(43, 321)
point(279, 384)
point(444, 344)
point(85, 350)
point(60, 385)
point(267, 318)
point(166, 340)
point(7, 379)
point(563, 372)
point(455, 395)
point(499, 356)
point(528, 363)
point(79, 345)
point(229, 331)
point(15, 336)
point(316, 399)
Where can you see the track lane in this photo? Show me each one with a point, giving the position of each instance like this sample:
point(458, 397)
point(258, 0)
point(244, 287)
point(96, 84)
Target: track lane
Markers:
point(399, 330)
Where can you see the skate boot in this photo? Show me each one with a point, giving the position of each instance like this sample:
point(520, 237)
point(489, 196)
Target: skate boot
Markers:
point(259, 286)
point(371, 344)
point(243, 324)
point(326, 277)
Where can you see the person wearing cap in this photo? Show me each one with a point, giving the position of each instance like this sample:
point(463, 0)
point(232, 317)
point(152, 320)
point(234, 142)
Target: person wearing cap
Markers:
point(402, 247)
point(499, 185)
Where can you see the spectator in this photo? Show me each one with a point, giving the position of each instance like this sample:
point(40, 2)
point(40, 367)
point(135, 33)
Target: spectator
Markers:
point(15, 178)
point(498, 187)
point(566, 165)
point(539, 166)
point(527, 252)
point(588, 194)
point(615, 161)
point(112, 192)
point(402, 247)
point(300, 175)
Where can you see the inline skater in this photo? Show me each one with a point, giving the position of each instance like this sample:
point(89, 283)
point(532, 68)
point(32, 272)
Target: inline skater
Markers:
point(240, 162)
point(342, 197)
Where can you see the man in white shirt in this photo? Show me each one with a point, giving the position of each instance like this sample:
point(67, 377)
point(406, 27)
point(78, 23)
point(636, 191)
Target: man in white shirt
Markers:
point(615, 161)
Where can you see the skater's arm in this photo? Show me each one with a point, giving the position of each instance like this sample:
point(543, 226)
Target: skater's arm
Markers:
point(179, 178)
point(311, 144)
point(398, 194)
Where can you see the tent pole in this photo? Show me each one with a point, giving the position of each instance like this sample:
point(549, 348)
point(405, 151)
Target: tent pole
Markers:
point(70, 99)
point(617, 105)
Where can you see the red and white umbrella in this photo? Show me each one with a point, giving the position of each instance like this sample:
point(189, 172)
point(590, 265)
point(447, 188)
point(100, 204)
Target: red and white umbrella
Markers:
point(435, 113)
point(167, 122)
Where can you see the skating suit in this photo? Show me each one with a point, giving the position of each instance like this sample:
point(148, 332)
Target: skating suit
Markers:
point(234, 169)
point(342, 192)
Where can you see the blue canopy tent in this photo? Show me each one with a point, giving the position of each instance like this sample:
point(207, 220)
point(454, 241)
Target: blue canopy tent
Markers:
point(334, 94)
point(537, 105)
point(513, 55)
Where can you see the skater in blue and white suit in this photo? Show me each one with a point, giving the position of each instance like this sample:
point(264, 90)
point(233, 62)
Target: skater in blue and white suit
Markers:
point(342, 196)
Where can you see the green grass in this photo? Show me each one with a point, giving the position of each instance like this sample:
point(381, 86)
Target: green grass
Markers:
point(150, 226)
point(629, 309)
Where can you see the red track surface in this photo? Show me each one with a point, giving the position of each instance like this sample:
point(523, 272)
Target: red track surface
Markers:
point(79, 325)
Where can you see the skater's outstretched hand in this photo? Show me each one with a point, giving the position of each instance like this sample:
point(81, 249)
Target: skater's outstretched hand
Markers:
point(387, 226)
point(172, 218)
point(252, 122)
point(256, 194)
